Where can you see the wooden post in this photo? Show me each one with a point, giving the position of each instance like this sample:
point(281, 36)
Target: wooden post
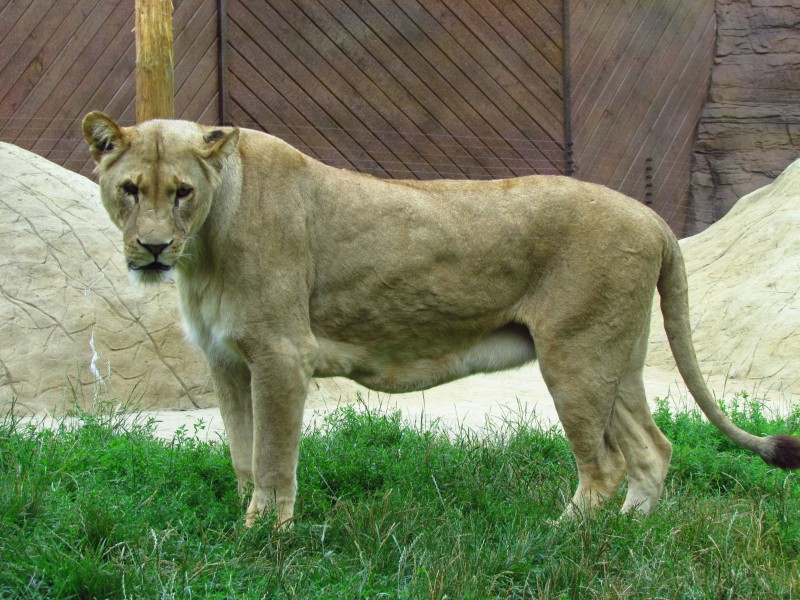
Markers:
point(154, 62)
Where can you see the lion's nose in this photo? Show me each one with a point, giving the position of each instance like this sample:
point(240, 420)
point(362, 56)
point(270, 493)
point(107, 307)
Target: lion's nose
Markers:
point(155, 249)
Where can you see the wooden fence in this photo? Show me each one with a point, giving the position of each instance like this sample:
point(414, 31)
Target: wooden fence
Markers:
point(639, 74)
point(608, 91)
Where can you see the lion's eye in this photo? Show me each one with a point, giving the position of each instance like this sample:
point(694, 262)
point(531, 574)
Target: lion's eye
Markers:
point(182, 192)
point(131, 189)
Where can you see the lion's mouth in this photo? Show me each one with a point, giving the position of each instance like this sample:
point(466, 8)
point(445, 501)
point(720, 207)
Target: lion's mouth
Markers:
point(153, 266)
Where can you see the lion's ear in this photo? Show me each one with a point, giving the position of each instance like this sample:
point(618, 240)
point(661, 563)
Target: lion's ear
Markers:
point(219, 144)
point(102, 133)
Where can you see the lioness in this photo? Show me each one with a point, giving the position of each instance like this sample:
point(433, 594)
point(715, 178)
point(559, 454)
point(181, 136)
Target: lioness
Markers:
point(289, 269)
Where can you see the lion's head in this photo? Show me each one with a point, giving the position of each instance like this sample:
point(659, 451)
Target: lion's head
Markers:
point(157, 182)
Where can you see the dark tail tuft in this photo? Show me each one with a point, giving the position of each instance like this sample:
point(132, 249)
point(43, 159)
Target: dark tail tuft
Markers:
point(785, 452)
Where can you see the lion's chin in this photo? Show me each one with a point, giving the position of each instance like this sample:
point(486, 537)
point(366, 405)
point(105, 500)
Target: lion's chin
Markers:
point(152, 273)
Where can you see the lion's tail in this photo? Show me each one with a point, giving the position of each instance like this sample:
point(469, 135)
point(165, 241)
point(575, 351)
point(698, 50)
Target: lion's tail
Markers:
point(779, 450)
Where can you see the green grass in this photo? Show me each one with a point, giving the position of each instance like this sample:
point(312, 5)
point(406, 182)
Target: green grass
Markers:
point(387, 510)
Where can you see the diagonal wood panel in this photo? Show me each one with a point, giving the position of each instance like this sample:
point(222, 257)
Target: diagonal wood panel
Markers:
point(640, 72)
point(424, 89)
point(404, 89)
point(59, 60)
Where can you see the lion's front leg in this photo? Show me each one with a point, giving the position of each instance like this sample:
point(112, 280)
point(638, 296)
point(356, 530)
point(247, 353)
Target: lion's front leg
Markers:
point(280, 378)
point(232, 386)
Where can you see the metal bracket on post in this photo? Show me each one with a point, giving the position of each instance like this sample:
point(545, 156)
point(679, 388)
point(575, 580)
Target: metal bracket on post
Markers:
point(222, 60)
point(570, 159)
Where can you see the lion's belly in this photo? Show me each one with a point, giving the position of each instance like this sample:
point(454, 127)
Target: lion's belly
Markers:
point(381, 369)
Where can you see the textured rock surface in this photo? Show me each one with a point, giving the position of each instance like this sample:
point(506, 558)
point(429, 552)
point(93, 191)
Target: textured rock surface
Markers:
point(749, 130)
point(67, 310)
point(744, 290)
point(72, 326)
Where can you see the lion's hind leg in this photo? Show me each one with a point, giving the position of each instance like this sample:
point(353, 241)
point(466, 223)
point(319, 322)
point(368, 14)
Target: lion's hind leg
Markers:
point(584, 400)
point(647, 451)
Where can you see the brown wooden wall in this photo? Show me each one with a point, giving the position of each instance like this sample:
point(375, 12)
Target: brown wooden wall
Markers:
point(60, 59)
point(397, 88)
point(639, 77)
point(404, 88)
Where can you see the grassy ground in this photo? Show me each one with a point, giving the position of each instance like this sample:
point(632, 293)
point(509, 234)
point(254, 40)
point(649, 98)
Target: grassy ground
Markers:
point(387, 510)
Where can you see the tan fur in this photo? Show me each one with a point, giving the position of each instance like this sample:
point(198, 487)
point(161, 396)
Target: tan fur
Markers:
point(288, 269)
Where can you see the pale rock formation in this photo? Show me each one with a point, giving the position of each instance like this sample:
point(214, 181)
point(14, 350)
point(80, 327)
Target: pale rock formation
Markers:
point(73, 328)
point(71, 324)
point(744, 290)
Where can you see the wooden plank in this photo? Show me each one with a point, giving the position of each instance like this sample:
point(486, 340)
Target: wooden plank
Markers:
point(10, 14)
point(46, 99)
point(599, 62)
point(582, 18)
point(340, 65)
point(591, 23)
point(546, 16)
point(631, 43)
point(80, 57)
point(484, 127)
point(369, 57)
point(205, 108)
point(642, 71)
point(96, 58)
point(196, 36)
point(27, 34)
point(279, 43)
point(32, 55)
point(532, 27)
point(481, 88)
point(115, 77)
point(352, 106)
point(673, 74)
point(671, 185)
point(508, 60)
point(251, 104)
point(587, 36)
point(199, 88)
point(114, 93)
point(475, 107)
point(289, 107)
point(386, 117)
point(633, 92)
point(195, 58)
point(407, 64)
point(654, 132)
point(597, 107)
point(685, 123)
point(253, 99)
point(333, 123)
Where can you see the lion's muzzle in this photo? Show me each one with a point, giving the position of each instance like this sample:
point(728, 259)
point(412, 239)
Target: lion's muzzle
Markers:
point(154, 268)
